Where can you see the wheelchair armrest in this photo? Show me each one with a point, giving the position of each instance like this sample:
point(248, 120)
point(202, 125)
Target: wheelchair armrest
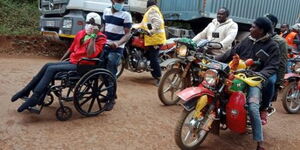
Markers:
point(88, 59)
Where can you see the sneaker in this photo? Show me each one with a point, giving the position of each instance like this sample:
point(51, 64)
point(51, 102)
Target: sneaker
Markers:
point(109, 106)
point(263, 117)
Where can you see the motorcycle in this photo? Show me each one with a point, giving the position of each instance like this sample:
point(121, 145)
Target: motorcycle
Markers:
point(134, 58)
point(291, 91)
point(207, 108)
point(183, 70)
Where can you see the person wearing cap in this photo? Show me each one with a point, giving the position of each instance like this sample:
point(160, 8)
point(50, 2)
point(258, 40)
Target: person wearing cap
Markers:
point(273, 82)
point(259, 39)
point(222, 29)
point(87, 43)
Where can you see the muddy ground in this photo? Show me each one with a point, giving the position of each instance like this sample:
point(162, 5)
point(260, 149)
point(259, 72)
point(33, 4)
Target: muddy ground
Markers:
point(138, 121)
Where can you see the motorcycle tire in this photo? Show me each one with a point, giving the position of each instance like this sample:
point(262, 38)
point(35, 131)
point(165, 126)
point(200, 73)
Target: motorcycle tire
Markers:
point(121, 67)
point(178, 132)
point(285, 102)
point(161, 91)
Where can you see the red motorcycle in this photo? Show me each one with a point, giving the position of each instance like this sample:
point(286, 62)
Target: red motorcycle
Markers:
point(291, 91)
point(219, 102)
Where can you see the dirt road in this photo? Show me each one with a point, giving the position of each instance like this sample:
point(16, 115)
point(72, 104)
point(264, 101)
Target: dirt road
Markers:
point(138, 121)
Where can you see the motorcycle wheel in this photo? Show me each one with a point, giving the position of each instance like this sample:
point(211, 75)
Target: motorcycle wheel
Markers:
point(170, 83)
point(121, 67)
point(290, 98)
point(186, 136)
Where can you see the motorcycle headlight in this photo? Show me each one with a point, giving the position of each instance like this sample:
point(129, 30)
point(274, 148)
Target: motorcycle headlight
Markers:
point(67, 23)
point(211, 77)
point(181, 50)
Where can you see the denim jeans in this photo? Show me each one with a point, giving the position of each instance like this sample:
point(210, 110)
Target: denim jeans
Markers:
point(268, 92)
point(42, 80)
point(110, 59)
point(253, 100)
point(152, 55)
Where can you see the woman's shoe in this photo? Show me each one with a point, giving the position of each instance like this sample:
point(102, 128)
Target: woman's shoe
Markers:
point(20, 94)
point(30, 102)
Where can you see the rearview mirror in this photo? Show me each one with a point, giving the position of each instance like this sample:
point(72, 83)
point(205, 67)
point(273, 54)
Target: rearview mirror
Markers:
point(262, 55)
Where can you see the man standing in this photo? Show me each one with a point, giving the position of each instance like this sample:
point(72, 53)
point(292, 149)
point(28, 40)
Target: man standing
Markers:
point(117, 26)
point(157, 36)
point(259, 39)
point(222, 29)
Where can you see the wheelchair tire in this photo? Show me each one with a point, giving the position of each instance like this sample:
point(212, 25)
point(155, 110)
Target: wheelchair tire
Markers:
point(63, 113)
point(92, 89)
point(49, 99)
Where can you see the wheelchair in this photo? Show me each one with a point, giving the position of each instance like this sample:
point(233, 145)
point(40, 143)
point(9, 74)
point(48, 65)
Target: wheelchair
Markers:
point(90, 88)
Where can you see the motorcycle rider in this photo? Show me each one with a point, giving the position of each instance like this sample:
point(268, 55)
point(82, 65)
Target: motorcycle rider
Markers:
point(288, 35)
point(273, 82)
point(222, 29)
point(296, 29)
point(87, 43)
point(259, 39)
point(117, 28)
point(156, 37)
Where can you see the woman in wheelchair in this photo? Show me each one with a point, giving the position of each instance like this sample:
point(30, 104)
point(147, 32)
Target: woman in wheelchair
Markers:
point(87, 43)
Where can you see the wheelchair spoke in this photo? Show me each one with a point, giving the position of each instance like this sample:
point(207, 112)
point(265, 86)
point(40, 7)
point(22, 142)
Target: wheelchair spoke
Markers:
point(91, 105)
point(99, 103)
point(101, 85)
point(102, 90)
point(105, 97)
point(85, 100)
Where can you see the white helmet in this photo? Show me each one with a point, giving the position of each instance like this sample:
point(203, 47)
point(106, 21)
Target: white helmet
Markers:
point(94, 15)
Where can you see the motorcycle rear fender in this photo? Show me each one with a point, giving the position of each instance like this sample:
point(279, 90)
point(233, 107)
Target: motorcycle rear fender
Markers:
point(171, 62)
point(291, 76)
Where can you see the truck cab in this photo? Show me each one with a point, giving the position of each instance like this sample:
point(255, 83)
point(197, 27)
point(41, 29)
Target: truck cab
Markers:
point(62, 19)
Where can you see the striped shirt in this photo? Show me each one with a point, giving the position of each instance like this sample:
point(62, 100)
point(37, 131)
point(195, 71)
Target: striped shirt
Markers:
point(115, 24)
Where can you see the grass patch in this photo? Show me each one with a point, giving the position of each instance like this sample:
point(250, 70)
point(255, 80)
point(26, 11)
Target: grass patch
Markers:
point(19, 18)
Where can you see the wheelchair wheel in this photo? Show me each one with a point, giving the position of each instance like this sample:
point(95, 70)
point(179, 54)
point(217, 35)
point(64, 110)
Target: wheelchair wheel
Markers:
point(93, 91)
point(49, 99)
point(63, 113)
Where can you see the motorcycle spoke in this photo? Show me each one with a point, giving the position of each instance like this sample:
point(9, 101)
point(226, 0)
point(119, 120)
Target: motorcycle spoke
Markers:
point(172, 94)
point(188, 135)
point(167, 89)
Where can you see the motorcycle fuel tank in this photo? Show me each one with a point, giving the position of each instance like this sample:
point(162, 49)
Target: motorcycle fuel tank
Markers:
point(236, 114)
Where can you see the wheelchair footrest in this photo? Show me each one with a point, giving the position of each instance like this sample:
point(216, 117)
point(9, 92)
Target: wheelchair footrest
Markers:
point(36, 109)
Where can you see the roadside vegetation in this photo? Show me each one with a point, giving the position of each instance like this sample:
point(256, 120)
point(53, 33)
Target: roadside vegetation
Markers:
point(19, 17)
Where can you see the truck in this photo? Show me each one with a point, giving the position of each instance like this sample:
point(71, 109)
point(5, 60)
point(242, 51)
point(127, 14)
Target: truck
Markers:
point(64, 18)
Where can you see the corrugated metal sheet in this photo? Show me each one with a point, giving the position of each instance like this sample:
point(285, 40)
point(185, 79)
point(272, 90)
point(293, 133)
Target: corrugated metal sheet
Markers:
point(243, 11)
point(180, 9)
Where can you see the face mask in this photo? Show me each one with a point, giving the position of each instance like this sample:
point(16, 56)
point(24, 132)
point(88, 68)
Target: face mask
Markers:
point(90, 28)
point(118, 6)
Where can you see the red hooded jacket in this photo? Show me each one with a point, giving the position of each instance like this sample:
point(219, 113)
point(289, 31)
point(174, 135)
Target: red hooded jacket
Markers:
point(79, 50)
